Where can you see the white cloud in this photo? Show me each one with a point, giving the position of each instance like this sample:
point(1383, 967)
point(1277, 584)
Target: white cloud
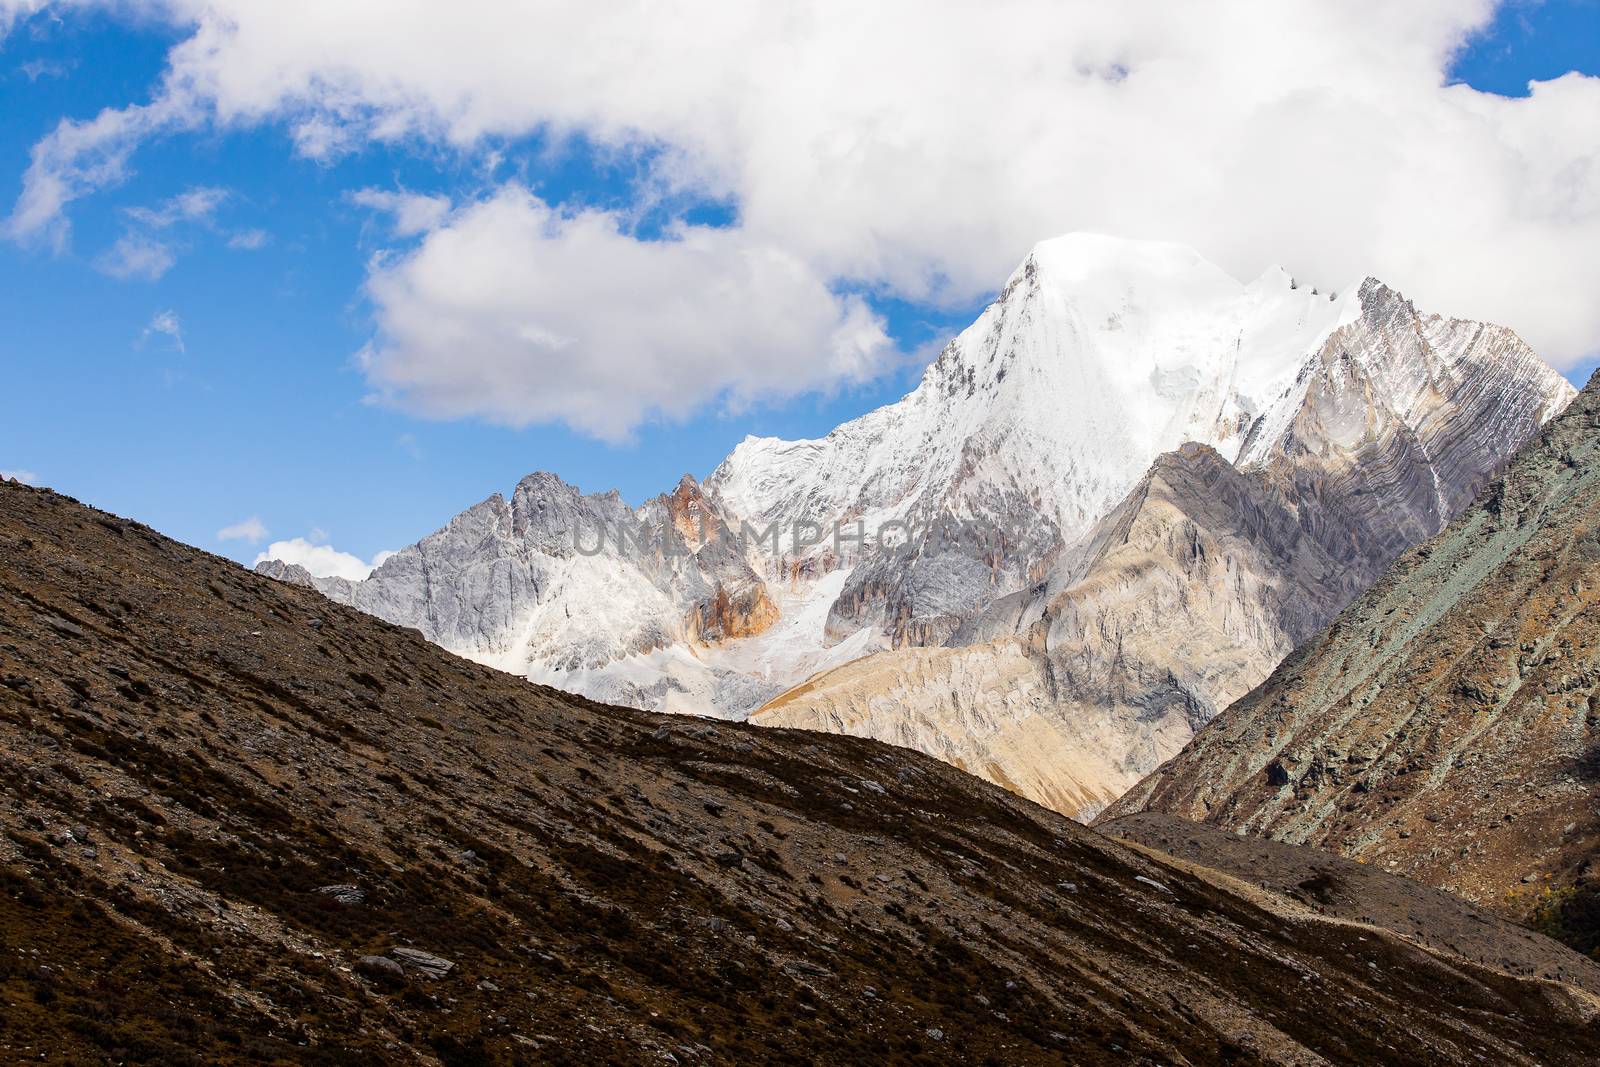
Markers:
point(197, 204)
point(323, 561)
point(36, 69)
point(249, 240)
point(14, 11)
point(25, 477)
point(522, 314)
point(136, 255)
point(139, 252)
point(413, 213)
point(914, 148)
point(81, 156)
point(166, 324)
point(251, 531)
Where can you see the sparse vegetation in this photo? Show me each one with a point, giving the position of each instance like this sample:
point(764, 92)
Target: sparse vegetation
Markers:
point(1571, 915)
point(227, 862)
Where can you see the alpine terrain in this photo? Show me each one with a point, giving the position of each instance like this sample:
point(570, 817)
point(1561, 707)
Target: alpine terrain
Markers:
point(242, 824)
point(1111, 507)
point(1447, 725)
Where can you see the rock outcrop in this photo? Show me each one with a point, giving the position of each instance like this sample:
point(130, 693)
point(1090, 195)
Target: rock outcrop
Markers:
point(1446, 725)
point(558, 586)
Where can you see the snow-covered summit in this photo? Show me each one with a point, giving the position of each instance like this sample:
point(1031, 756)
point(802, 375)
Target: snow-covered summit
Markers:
point(1099, 354)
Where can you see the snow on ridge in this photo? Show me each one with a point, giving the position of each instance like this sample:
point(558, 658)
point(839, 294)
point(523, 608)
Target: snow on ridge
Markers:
point(1100, 354)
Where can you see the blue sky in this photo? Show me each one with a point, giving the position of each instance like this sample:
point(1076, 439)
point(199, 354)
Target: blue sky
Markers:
point(260, 412)
point(229, 387)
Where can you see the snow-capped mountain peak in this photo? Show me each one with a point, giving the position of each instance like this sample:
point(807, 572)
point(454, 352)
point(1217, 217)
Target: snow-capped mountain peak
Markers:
point(1098, 356)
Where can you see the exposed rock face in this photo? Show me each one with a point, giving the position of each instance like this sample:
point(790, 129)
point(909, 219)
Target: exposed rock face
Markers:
point(1185, 595)
point(1332, 432)
point(987, 709)
point(1098, 355)
point(555, 584)
point(293, 573)
point(1188, 593)
point(1446, 725)
point(710, 568)
point(192, 757)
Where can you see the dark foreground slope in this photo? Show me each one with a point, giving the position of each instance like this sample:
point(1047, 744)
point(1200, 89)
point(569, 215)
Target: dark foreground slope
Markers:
point(241, 823)
point(1447, 725)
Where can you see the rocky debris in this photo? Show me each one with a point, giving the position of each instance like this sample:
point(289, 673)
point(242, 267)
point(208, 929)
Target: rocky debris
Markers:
point(1443, 726)
point(424, 962)
point(595, 923)
point(380, 966)
point(348, 895)
point(63, 626)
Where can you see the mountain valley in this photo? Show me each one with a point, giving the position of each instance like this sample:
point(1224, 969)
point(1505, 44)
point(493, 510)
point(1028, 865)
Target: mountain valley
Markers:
point(243, 824)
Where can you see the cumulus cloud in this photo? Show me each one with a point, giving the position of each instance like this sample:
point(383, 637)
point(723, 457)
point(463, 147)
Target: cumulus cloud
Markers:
point(25, 477)
point(913, 149)
point(323, 561)
point(521, 313)
point(251, 531)
point(165, 324)
point(413, 213)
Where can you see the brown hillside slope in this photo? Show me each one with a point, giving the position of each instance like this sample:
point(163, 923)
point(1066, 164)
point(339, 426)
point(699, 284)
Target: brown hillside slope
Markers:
point(244, 824)
point(1447, 725)
point(1360, 893)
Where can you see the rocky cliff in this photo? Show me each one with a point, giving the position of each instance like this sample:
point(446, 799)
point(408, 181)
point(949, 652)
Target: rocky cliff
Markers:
point(557, 585)
point(1446, 725)
point(1189, 592)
